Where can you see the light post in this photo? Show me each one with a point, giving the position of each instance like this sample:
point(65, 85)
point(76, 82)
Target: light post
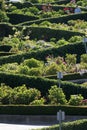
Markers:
point(85, 43)
point(59, 76)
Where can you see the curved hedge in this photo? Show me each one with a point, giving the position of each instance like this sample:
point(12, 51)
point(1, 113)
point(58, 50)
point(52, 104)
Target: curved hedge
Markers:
point(75, 125)
point(48, 33)
point(5, 48)
point(5, 29)
point(22, 5)
point(77, 48)
point(19, 18)
point(41, 110)
point(62, 19)
point(42, 84)
point(71, 76)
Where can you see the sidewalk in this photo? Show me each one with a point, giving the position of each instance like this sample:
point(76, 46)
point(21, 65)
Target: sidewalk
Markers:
point(4, 126)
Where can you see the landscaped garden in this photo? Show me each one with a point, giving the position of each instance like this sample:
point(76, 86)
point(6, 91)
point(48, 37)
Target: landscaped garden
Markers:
point(38, 39)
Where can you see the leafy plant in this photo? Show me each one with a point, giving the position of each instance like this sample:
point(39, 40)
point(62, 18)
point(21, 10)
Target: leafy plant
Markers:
point(75, 100)
point(56, 95)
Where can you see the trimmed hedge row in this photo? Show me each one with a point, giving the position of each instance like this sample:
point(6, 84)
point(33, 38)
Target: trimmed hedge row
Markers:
point(57, 2)
point(71, 76)
point(75, 125)
point(22, 5)
point(77, 48)
point(5, 48)
point(6, 53)
point(42, 84)
point(48, 33)
point(41, 110)
point(62, 19)
point(59, 7)
point(5, 29)
point(19, 18)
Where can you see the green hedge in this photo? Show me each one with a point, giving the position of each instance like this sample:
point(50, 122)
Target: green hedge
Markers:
point(19, 18)
point(77, 48)
point(5, 29)
point(71, 76)
point(59, 7)
point(22, 5)
point(62, 19)
point(6, 53)
point(42, 84)
point(75, 125)
point(5, 48)
point(48, 33)
point(41, 110)
point(59, 2)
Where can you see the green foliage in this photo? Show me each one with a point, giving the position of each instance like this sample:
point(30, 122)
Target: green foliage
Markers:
point(56, 95)
point(3, 17)
point(84, 58)
point(23, 70)
point(18, 95)
point(75, 99)
point(83, 61)
point(33, 63)
point(34, 10)
point(38, 102)
point(70, 59)
point(5, 94)
point(35, 72)
point(75, 125)
point(52, 69)
point(62, 42)
point(75, 39)
point(25, 96)
point(42, 84)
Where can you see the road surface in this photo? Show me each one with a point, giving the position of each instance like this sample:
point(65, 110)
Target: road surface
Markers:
point(4, 126)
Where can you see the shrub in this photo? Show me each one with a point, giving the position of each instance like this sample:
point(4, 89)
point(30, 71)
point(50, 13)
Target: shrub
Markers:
point(62, 42)
point(33, 63)
point(38, 102)
point(83, 61)
point(56, 95)
point(51, 69)
point(70, 59)
point(35, 72)
point(75, 39)
point(75, 99)
point(23, 70)
point(5, 93)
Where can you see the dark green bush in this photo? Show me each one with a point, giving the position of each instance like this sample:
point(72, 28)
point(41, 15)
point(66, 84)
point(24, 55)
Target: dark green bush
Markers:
point(18, 18)
point(72, 76)
point(62, 19)
point(6, 53)
point(5, 48)
point(41, 110)
point(47, 33)
point(75, 125)
point(6, 29)
point(22, 5)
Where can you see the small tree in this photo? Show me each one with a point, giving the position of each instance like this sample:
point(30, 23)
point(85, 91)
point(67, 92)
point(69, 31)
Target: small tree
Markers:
point(56, 95)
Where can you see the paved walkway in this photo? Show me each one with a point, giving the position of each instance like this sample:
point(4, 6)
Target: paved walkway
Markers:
point(4, 126)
